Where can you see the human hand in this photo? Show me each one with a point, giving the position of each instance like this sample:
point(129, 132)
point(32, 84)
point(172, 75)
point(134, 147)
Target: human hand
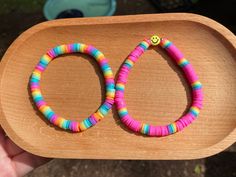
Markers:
point(14, 161)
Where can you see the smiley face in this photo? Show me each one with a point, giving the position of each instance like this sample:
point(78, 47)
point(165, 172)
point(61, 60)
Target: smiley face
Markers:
point(155, 40)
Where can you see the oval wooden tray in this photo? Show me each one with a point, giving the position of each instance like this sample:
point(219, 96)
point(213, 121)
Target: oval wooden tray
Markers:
point(156, 92)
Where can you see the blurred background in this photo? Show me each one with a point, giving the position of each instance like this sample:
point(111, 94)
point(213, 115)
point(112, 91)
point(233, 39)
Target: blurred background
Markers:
point(18, 15)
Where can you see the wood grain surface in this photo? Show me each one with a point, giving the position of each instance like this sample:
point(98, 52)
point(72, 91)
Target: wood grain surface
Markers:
point(156, 91)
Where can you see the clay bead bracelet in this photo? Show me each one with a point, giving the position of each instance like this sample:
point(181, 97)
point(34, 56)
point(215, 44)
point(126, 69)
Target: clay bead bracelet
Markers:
point(48, 112)
point(177, 56)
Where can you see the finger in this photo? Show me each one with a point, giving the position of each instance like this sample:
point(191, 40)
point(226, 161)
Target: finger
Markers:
point(25, 162)
point(6, 168)
point(3, 152)
point(2, 135)
point(1, 130)
point(11, 148)
point(8, 146)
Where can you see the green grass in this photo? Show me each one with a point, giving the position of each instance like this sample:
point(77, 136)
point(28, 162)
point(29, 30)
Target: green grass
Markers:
point(26, 6)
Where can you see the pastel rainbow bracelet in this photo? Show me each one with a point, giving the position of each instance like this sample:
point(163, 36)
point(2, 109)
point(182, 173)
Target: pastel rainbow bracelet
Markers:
point(177, 56)
point(49, 114)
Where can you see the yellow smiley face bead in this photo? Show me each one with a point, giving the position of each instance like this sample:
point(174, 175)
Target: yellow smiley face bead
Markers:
point(155, 40)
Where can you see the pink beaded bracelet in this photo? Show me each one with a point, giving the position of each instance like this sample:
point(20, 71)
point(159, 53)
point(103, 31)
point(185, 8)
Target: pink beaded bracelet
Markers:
point(177, 56)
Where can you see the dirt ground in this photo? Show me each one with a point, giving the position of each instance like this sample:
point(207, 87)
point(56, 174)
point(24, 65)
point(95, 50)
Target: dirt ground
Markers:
point(17, 16)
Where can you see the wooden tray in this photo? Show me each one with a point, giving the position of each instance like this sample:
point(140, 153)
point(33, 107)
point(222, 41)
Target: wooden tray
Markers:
point(156, 92)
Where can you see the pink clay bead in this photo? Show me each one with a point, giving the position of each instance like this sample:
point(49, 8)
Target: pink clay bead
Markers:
point(190, 73)
point(174, 53)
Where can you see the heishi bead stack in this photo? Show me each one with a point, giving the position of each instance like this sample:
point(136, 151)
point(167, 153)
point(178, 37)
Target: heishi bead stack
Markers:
point(177, 56)
point(48, 112)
